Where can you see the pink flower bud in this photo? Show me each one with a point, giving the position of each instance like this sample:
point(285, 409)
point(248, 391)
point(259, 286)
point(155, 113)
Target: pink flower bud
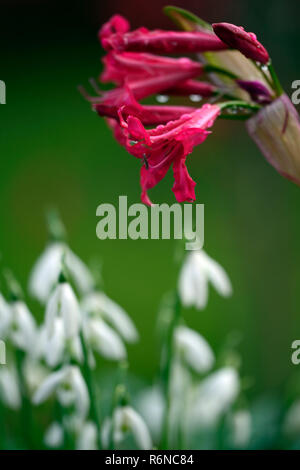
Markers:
point(237, 38)
point(276, 131)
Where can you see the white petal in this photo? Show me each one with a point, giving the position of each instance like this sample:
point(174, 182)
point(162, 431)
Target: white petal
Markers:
point(138, 428)
point(196, 351)
point(241, 428)
point(9, 388)
point(113, 313)
point(79, 272)
point(105, 340)
point(87, 439)
point(69, 310)
point(52, 310)
point(213, 397)
point(50, 384)
point(5, 317)
point(55, 344)
point(82, 399)
point(150, 405)
point(217, 276)
point(35, 373)
point(54, 435)
point(24, 334)
point(46, 271)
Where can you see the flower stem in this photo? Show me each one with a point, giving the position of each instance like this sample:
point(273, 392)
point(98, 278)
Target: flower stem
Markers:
point(168, 355)
point(87, 373)
point(276, 83)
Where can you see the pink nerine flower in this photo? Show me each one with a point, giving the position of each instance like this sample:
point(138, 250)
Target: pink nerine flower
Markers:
point(143, 40)
point(237, 38)
point(132, 66)
point(116, 24)
point(167, 145)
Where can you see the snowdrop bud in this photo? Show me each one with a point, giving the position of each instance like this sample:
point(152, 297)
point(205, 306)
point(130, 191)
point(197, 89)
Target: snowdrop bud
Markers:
point(99, 303)
point(194, 349)
point(197, 271)
point(213, 397)
point(241, 428)
point(9, 388)
point(63, 304)
point(103, 339)
point(127, 420)
point(70, 388)
point(54, 436)
point(47, 268)
point(87, 437)
point(23, 331)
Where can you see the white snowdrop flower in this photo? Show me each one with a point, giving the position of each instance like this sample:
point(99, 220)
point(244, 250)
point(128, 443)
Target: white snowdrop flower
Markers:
point(197, 271)
point(241, 428)
point(127, 420)
point(63, 304)
point(69, 387)
point(194, 349)
point(291, 424)
point(151, 404)
point(4, 317)
point(98, 303)
point(57, 346)
point(103, 339)
point(23, 330)
point(45, 272)
point(9, 388)
point(87, 437)
point(213, 397)
point(35, 373)
point(54, 436)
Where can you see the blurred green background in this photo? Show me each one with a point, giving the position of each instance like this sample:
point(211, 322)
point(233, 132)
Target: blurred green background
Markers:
point(56, 152)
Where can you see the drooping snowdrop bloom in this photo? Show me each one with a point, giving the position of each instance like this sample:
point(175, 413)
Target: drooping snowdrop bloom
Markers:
point(9, 388)
point(55, 347)
point(151, 404)
point(126, 420)
point(194, 349)
point(45, 272)
point(34, 373)
point(22, 327)
point(54, 436)
point(63, 304)
point(87, 436)
point(104, 340)
point(69, 388)
point(99, 305)
point(197, 271)
point(213, 397)
point(241, 424)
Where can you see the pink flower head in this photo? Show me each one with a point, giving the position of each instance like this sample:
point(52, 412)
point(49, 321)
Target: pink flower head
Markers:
point(116, 24)
point(143, 40)
point(237, 38)
point(133, 66)
point(163, 146)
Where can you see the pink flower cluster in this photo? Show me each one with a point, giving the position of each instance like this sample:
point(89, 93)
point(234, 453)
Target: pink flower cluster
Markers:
point(133, 65)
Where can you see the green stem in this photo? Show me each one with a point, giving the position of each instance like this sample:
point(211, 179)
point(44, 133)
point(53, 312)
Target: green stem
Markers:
point(167, 370)
point(239, 104)
point(208, 68)
point(276, 83)
point(87, 373)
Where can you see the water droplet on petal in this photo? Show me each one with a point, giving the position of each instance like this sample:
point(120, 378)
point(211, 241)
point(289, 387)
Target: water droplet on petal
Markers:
point(162, 98)
point(195, 98)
